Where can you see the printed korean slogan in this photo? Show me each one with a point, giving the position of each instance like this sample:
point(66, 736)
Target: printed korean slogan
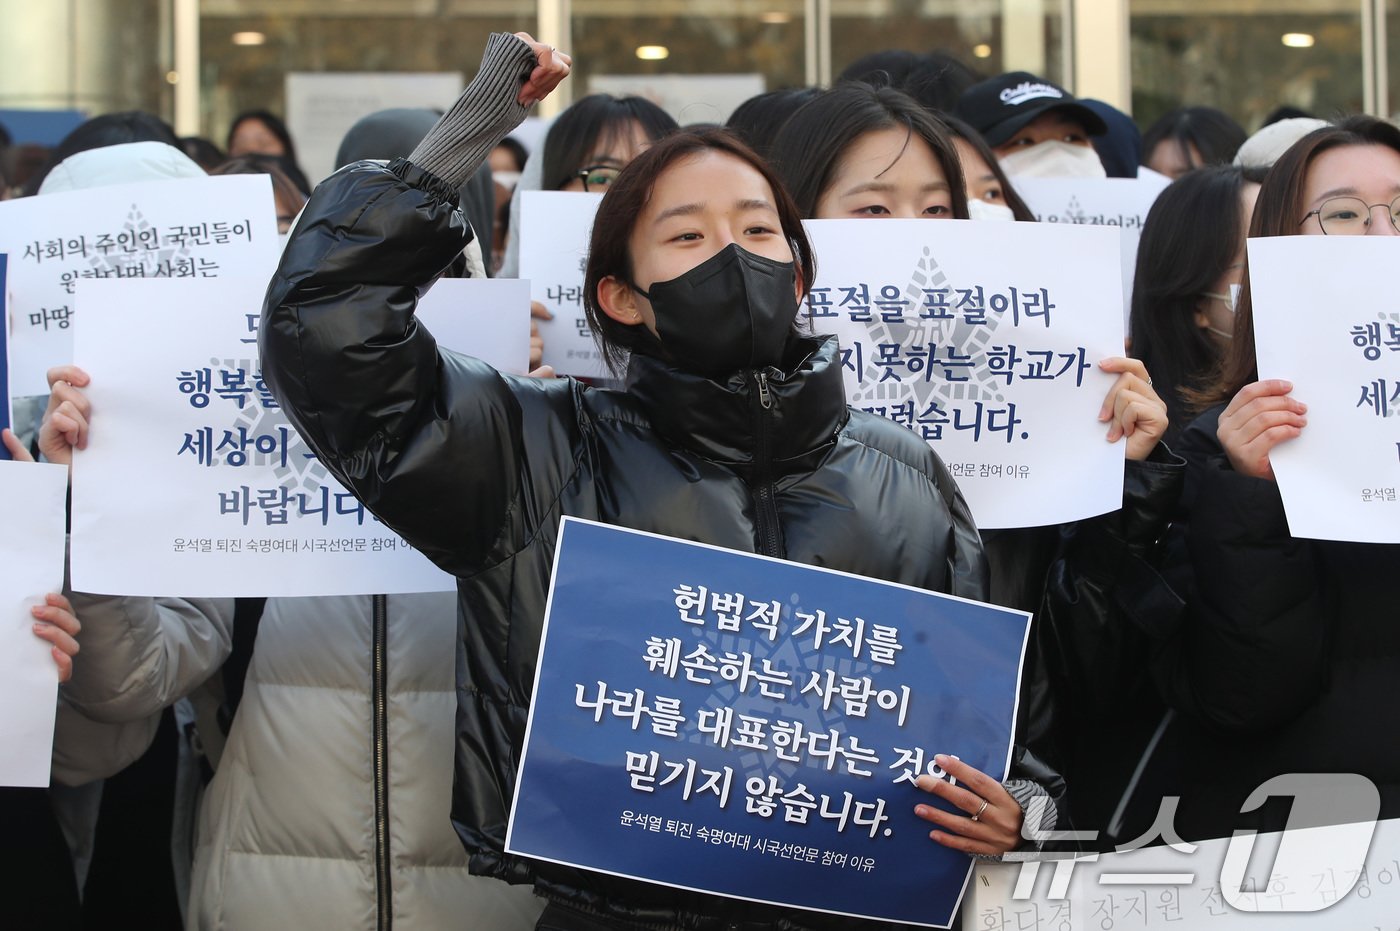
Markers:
point(1122, 203)
point(746, 726)
point(31, 566)
point(194, 481)
point(1326, 319)
point(984, 339)
point(200, 228)
point(555, 226)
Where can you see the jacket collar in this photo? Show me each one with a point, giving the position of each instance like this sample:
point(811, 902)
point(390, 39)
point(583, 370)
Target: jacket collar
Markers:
point(725, 422)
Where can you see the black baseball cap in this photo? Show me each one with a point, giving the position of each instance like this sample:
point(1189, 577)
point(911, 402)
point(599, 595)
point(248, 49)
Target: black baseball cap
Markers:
point(1000, 107)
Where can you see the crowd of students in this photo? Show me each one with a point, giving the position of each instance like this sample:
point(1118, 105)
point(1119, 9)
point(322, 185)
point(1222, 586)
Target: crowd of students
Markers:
point(348, 774)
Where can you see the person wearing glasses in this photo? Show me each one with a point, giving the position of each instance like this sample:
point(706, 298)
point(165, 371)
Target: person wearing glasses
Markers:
point(587, 145)
point(595, 138)
point(1285, 658)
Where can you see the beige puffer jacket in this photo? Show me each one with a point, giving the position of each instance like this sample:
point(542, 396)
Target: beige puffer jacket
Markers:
point(306, 825)
point(137, 657)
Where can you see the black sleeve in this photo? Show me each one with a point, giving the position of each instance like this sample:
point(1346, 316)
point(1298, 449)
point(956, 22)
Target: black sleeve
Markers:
point(431, 441)
point(1250, 651)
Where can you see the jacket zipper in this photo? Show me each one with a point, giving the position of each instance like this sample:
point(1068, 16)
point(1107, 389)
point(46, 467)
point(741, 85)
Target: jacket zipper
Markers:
point(379, 688)
point(765, 493)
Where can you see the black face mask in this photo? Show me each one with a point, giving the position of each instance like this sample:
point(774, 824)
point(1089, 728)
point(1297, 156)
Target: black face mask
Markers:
point(733, 311)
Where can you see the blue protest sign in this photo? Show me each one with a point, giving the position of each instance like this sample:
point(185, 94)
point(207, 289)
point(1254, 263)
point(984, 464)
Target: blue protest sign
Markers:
point(5, 417)
point(751, 727)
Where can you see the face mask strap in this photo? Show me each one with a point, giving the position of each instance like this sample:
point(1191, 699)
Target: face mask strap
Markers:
point(1227, 299)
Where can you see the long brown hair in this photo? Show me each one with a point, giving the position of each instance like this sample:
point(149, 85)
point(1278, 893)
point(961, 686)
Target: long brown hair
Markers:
point(627, 197)
point(1279, 212)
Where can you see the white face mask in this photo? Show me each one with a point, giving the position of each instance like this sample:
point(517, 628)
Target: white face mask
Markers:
point(1232, 301)
point(507, 179)
point(1054, 160)
point(982, 210)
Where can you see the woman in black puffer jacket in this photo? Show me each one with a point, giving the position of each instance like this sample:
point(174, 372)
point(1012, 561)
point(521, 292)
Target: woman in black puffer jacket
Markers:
point(1288, 652)
point(732, 430)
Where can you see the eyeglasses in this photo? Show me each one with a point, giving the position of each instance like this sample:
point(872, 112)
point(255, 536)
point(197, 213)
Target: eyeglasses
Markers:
point(598, 177)
point(1351, 216)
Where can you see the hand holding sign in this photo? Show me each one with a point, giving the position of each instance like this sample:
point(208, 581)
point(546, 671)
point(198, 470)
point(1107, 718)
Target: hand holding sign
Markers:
point(992, 823)
point(55, 622)
point(537, 312)
point(737, 706)
point(65, 426)
point(14, 447)
point(1134, 409)
point(1256, 420)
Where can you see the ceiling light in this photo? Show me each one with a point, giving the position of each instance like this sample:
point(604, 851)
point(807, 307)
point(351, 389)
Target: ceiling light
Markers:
point(172, 77)
point(775, 18)
point(1298, 40)
point(249, 38)
point(653, 52)
point(982, 51)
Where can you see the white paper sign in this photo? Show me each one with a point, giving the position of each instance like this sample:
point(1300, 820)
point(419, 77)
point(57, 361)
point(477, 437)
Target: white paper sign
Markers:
point(1118, 202)
point(554, 227)
point(983, 338)
point(193, 482)
point(487, 318)
point(223, 227)
point(31, 566)
point(321, 107)
point(1325, 320)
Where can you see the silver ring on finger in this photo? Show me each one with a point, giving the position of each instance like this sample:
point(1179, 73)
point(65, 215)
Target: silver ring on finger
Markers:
point(978, 816)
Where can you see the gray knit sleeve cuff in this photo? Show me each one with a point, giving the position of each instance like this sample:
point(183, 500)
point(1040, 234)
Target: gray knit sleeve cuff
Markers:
point(485, 113)
point(1037, 807)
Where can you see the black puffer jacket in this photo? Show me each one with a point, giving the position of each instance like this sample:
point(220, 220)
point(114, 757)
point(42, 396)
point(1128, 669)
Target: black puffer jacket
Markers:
point(477, 469)
point(1286, 657)
point(1099, 602)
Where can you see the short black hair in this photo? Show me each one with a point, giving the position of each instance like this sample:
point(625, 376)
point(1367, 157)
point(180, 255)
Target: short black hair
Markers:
point(758, 120)
point(278, 128)
point(516, 149)
point(102, 131)
point(609, 247)
point(575, 135)
point(884, 68)
point(1213, 133)
point(811, 142)
point(274, 125)
point(1286, 112)
point(202, 152)
point(935, 79)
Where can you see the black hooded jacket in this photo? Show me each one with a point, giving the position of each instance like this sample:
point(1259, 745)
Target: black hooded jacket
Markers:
point(476, 470)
